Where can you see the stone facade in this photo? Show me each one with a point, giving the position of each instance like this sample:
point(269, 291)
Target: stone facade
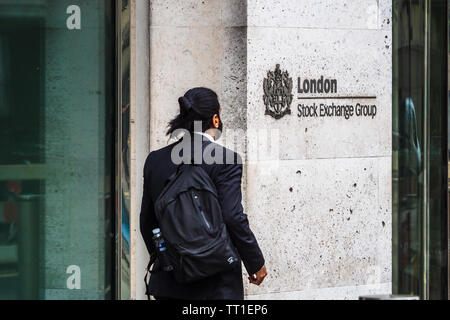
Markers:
point(320, 202)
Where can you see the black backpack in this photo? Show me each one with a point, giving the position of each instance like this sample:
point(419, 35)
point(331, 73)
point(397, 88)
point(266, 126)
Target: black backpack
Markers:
point(190, 218)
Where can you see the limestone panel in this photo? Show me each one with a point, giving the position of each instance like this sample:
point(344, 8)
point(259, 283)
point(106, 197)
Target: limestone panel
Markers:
point(321, 223)
point(359, 60)
point(181, 58)
point(188, 13)
point(326, 14)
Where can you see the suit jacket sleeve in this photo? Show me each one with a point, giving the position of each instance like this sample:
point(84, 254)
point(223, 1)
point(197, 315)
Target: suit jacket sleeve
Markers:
point(228, 185)
point(147, 217)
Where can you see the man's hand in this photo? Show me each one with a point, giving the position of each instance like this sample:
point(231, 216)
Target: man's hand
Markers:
point(258, 277)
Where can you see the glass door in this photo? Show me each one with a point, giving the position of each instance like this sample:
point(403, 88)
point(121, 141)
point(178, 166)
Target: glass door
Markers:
point(420, 148)
point(448, 145)
point(57, 111)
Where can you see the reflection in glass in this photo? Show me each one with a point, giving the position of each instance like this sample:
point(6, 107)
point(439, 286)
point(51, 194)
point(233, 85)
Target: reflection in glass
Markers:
point(419, 148)
point(125, 194)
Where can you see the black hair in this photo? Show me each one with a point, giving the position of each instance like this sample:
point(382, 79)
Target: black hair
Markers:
point(198, 104)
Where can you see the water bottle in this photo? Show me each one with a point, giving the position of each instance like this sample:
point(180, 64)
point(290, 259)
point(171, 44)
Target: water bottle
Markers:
point(160, 245)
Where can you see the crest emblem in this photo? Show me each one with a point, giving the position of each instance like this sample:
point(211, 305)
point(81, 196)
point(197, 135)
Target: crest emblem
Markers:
point(278, 93)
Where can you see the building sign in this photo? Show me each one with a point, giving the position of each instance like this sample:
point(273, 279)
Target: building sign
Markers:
point(321, 94)
point(278, 93)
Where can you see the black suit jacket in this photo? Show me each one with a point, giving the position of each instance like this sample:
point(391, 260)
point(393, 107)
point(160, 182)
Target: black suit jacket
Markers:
point(227, 179)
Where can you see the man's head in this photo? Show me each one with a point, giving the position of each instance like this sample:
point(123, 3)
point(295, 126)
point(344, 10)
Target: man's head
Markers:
point(198, 104)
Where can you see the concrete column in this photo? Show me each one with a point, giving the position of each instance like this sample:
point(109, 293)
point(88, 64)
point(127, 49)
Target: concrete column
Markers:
point(140, 135)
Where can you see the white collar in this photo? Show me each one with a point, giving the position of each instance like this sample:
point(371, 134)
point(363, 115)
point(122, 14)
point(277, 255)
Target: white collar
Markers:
point(206, 135)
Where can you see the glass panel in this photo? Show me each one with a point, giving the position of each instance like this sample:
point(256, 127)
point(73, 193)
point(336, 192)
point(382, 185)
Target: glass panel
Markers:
point(448, 144)
point(437, 98)
point(125, 155)
point(419, 148)
point(408, 111)
point(56, 111)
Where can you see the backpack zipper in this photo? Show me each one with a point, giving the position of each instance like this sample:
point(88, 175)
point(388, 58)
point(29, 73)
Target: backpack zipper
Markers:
point(204, 219)
point(201, 212)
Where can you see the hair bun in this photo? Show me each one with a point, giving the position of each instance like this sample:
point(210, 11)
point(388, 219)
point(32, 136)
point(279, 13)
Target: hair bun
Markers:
point(185, 104)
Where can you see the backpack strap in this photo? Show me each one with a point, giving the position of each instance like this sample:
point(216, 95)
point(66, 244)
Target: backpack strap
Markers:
point(177, 171)
point(150, 263)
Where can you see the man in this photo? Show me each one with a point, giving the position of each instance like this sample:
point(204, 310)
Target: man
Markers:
point(200, 105)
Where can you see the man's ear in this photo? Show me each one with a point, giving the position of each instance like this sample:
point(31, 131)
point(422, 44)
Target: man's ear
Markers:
point(216, 121)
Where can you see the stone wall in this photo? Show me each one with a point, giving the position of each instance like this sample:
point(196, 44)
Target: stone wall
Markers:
point(323, 214)
point(319, 201)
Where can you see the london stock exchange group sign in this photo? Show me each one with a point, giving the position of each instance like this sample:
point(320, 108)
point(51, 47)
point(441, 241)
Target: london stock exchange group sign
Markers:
point(278, 97)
